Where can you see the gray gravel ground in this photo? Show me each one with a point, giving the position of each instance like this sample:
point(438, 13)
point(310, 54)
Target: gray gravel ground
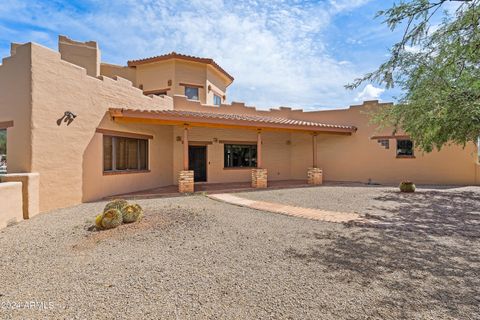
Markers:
point(194, 258)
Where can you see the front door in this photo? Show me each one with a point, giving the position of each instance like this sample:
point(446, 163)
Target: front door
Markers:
point(197, 161)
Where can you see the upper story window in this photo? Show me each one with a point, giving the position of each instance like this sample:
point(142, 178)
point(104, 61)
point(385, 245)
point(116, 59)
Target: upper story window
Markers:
point(191, 93)
point(404, 148)
point(239, 156)
point(124, 154)
point(217, 100)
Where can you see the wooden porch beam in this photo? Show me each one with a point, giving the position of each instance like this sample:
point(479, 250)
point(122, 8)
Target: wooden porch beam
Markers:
point(259, 149)
point(185, 148)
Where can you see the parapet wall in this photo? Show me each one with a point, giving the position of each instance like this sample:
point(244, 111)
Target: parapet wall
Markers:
point(347, 116)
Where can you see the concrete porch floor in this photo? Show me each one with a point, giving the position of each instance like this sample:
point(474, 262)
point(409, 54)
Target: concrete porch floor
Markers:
point(210, 188)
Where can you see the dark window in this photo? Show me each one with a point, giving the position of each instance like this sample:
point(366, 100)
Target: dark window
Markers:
point(404, 148)
point(217, 100)
point(239, 155)
point(384, 143)
point(191, 93)
point(123, 154)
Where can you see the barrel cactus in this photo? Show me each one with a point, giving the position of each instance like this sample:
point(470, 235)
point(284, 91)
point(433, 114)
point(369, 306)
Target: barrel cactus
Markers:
point(111, 218)
point(115, 204)
point(407, 186)
point(132, 213)
point(98, 221)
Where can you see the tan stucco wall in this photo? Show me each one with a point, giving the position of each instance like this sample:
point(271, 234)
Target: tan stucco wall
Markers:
point(30, 191)
point(15, 102)
point(359, 158)
point(113, 71)
point(67, 157)
point(11, 210)
point(477, 173)
point(191, 73)
point(96, 185)
point(155, 76)
point(83, 54)
point(217, 83)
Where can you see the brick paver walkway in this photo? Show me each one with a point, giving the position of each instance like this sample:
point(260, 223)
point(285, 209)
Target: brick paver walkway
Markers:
point(308, 213)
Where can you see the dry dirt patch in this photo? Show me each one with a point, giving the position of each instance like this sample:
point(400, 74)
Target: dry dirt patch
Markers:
point(153, 221)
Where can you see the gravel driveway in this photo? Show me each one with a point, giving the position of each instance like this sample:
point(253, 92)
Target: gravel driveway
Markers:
point(194, 258)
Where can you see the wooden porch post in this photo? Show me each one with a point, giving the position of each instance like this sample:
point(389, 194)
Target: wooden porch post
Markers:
point(314, 174)
point(185, 148)
point(185, 177)
point(259, 175)
point(259, 148)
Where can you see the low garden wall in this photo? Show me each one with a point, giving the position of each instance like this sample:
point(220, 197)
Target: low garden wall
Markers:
point(29, 192)
point(11, 208)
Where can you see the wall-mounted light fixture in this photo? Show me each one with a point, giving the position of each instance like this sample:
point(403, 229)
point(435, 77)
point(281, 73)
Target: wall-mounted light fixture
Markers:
point(178, 138)
point(67, 117)
point(169, 83)
point(209, 88)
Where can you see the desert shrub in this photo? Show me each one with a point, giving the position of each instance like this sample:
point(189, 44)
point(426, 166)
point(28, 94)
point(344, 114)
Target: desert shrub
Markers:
point(111, 218)
point(132, 213)
point(115, 204)
point(98, 221)
point(407, 186)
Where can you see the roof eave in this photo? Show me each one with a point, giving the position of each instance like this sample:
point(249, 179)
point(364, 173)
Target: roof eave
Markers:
point(176, 119)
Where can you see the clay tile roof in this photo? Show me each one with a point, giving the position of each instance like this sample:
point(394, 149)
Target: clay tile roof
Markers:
point(231, 119)
point(174, 55)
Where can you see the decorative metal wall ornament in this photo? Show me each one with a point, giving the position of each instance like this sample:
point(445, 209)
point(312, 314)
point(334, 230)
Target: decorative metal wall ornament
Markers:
point(67, 117)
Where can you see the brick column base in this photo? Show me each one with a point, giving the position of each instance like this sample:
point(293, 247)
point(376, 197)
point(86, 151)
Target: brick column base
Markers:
point(315, 176)
point(185, 181)
point(259, 178)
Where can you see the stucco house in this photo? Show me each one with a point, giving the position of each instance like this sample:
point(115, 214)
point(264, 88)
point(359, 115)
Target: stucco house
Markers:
point(92, 130)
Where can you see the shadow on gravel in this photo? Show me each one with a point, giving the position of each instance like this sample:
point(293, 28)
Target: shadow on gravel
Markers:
point(426, 253)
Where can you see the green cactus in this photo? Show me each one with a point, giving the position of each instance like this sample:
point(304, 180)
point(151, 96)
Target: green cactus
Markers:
point(132, 213)
point(111, 218)
point(98, 221)
point(407, 186)
point(115, 204)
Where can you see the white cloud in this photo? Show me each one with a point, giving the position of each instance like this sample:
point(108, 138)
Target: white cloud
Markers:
point(274, 47)
point(369, 93)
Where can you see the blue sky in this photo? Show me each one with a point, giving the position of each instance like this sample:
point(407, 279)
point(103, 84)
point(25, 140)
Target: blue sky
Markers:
point(296, 53)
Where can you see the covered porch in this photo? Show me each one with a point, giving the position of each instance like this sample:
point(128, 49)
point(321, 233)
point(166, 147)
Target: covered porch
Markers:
point(210, 188)
point(214, 151)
